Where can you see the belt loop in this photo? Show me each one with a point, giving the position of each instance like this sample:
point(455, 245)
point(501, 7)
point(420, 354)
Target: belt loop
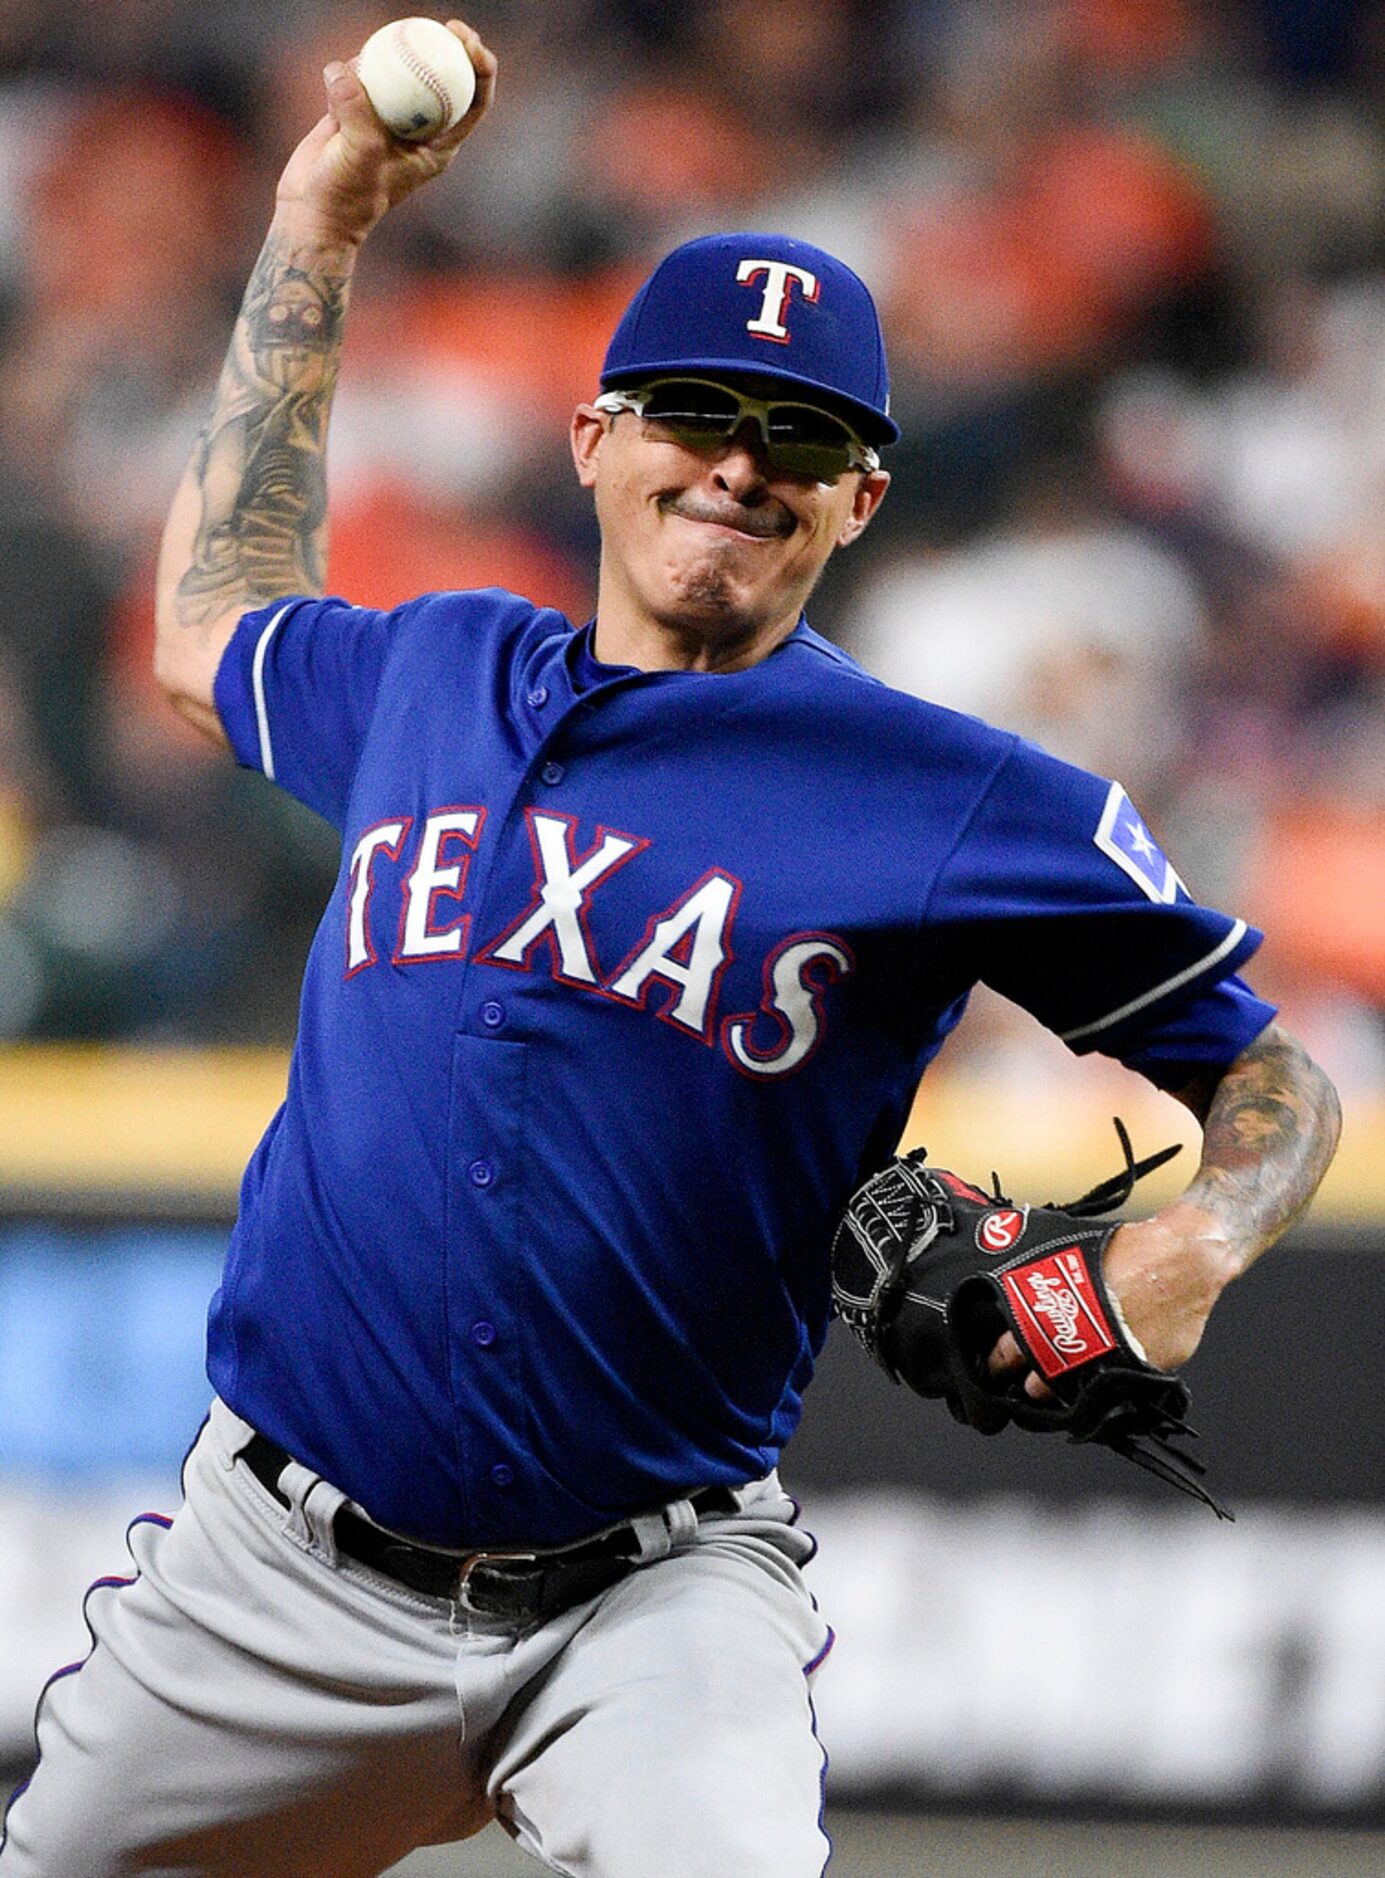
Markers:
point(313, 1506)
point(320, 1508)
point(656, 1534)
point(681, 1519)
point(652, 1535)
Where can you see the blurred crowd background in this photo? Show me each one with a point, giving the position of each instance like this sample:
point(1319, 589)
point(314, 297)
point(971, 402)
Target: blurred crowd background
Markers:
point(1131, 259)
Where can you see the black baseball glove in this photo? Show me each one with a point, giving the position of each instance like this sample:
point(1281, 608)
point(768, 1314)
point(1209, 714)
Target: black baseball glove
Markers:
point(930, 1272)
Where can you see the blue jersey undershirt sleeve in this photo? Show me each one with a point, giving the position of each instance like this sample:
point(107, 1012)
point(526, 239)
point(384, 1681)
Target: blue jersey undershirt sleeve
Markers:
point(295, 691)
point(1057, 896)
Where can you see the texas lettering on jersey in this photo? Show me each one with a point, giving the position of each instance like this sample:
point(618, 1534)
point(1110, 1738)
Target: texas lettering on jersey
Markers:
point(685, 948)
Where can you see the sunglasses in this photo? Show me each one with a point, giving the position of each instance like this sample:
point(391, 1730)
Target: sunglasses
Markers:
point(800, 439)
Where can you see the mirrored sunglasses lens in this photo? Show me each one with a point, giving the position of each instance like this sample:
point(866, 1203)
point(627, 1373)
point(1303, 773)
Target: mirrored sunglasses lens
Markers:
point(808, 442)
point(802, 424)
point(819, 462)
point(802, 440)
point(696, 410)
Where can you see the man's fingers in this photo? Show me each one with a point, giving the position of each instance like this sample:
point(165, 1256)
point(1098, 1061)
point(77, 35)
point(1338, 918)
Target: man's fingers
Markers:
point(485, 65)
point(483, 60)
point(1005, 1362)
point(348, 103)
point(318, 137)
point(1006, 1357)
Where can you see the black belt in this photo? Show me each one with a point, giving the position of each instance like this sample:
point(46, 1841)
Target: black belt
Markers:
point(530, 1584)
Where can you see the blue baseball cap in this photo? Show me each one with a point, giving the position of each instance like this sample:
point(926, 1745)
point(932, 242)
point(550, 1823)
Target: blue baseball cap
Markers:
point(762, 304)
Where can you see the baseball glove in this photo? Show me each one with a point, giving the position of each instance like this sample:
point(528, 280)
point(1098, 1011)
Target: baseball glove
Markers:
point(929, 1272)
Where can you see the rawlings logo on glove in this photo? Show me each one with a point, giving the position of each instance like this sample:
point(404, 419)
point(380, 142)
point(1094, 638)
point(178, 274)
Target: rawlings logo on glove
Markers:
point(1057, 1300)
point(930, 1272)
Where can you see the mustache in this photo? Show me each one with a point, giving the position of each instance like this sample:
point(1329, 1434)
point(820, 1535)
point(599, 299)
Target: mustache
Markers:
point(766, 522)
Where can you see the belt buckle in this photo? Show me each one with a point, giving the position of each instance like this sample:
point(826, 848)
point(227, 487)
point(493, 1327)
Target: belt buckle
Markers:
point(462, 1594)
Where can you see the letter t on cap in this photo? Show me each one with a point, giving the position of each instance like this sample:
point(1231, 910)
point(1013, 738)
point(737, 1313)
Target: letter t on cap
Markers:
point(779, 279)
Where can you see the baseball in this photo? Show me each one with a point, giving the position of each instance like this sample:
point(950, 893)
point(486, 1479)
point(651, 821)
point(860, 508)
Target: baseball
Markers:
point(418, 77)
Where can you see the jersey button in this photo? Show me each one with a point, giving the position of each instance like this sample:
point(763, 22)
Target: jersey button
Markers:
point(503, 1474)
point(492, 1014)
point(480, 1173)
point(483, 1334)
point(537, 698)
point(552, 773)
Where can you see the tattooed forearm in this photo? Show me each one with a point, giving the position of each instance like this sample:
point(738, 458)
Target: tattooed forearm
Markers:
point(260, 468)
point(1270, 1128)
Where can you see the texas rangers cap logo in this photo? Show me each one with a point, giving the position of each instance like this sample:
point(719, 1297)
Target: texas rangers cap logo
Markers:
point(780, 278)
point(762, 303)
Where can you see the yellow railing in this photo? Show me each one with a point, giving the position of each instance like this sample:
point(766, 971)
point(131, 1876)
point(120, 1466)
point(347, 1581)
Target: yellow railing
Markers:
point(180, 1124)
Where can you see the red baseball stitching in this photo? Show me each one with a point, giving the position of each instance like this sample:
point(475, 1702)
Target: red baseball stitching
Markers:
point(421, 71)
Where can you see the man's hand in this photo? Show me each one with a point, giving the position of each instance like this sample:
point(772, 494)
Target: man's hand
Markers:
point(1165, 1273)
point(930, 1272)
point(1270, 1126)
point(348, 171)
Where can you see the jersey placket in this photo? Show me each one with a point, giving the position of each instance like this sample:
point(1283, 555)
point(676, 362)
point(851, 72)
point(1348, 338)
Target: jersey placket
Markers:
point(489, 1153)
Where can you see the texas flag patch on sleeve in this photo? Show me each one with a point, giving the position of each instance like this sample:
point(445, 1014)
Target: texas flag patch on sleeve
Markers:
point(1122, 836)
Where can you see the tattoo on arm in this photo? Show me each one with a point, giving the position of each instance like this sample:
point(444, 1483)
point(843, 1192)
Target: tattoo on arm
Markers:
point(1269, 1132)
point(260, 463)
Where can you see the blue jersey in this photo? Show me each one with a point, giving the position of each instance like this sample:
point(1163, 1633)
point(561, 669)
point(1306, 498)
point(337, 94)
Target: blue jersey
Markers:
point(627, 979)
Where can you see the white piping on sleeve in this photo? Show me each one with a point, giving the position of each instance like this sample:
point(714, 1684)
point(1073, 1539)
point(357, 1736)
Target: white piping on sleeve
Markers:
point(1214, 957)
point(257, 683)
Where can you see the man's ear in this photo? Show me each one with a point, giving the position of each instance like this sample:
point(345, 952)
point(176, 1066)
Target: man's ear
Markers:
point(870, 493)
point(588, 430)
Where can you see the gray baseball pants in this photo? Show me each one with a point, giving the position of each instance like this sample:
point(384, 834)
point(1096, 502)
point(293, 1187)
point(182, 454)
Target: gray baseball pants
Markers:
point(257, 1706)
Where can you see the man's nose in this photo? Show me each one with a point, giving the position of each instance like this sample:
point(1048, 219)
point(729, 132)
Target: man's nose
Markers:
point(743, 463)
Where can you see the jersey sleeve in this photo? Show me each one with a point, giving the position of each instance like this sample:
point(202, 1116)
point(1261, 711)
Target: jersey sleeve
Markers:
point(295, 691)
point(1209, 1025)
point(1057, 896)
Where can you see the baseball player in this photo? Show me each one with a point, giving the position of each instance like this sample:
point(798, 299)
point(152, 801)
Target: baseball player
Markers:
point(642, 937)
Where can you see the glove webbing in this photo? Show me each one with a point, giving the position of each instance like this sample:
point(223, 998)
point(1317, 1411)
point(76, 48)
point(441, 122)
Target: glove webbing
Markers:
point(930, 1196)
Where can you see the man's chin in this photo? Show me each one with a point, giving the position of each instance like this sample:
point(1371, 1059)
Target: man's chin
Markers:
point(725, 575)
point(706, 597)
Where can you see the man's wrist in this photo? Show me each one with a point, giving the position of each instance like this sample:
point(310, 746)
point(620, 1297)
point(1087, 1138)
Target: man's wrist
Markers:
point(1196, 1223)
point(302, 240)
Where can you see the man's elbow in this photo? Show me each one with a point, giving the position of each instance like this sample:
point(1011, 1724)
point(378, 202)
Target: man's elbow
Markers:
point(185, 666)
point(1196, 1094)
point(1274, 1065)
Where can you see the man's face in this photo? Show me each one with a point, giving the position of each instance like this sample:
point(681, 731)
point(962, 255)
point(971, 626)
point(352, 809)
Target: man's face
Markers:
point(712, 543)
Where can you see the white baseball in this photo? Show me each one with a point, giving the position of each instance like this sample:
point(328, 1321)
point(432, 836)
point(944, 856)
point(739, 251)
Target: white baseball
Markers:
point(418, 77)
